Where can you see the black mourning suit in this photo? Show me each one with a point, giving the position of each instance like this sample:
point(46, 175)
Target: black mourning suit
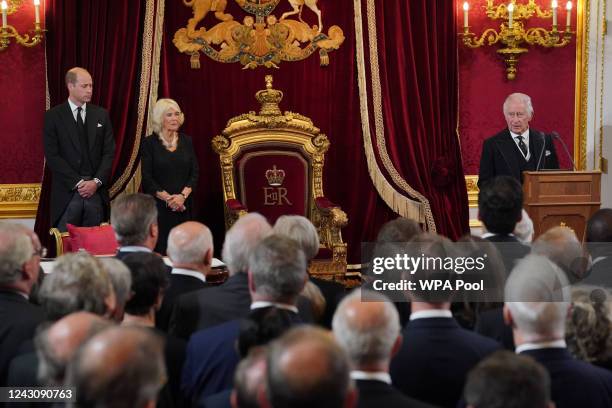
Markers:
point(70, 157)
point(502, 157)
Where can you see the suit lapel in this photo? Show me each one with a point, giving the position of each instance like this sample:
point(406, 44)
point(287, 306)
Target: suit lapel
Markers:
point(507, 149)
point(70, 125)
point(91, 123)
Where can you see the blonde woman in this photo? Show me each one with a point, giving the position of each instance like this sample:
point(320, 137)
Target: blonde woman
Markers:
point(169, 169)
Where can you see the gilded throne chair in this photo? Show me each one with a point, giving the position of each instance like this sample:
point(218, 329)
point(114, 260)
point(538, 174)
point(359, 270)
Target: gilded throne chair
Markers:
point(272, 163)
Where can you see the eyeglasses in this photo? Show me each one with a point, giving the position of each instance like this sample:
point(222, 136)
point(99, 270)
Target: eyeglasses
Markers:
point(42, 252)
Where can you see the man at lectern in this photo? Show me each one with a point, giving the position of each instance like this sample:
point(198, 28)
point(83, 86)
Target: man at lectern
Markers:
point(517, 148)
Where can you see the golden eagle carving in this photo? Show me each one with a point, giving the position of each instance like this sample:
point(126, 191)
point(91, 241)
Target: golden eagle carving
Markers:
point(261, 39)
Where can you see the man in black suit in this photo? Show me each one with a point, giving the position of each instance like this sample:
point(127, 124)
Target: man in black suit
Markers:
point(134, 220)
point(517, 148)
point(506, 380)
point(537, 301)
point(79, 149)
point(436, 354)
point(19, 263)
point(369, 331)
point(190, 248)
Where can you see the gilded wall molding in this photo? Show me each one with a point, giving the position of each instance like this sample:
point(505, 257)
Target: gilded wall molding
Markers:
point(19, 200)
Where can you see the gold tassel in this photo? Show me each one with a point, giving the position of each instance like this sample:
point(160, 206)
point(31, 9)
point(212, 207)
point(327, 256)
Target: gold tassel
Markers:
point(324, 58)
point(195, 60)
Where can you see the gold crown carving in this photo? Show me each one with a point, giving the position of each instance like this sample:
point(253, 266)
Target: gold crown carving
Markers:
point(275, 176)
point(269, 99)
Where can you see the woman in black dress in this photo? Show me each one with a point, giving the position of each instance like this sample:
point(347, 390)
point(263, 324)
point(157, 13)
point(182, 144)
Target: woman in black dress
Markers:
point(169, 169)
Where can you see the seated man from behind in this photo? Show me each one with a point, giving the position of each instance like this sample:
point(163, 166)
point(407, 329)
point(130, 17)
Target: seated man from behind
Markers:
point(134, 219)
point(507, 380)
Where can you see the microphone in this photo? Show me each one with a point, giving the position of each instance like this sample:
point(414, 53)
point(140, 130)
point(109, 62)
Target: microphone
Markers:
point(541, 151)
point(555, 135)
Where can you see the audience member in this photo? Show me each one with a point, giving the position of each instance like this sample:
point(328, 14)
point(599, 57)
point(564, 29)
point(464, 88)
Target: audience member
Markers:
point(134, 219)
point(599, 244)
point(507, 380)
point(277, 274)
point(369, 331)
point(500, 204)
point(302, 230)
point(57, 344)
point(19, 270)
point(121, 367)
point(537, 304)
point(306, 368)
point(436, 353)
point(149, 280)
point(121, 280)
point(589, 326)
point(561, 246)
point(190, 248)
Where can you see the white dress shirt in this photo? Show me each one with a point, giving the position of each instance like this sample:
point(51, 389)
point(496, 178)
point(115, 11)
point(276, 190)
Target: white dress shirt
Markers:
point(525, 135)
point(540, 345)
point(427, 314)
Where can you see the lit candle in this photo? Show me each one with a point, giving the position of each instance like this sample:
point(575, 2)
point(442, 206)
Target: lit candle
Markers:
point(466, 8)
point(554, 11)
point(4, 8)
point(569, 13)
point(510, 12)
point(36, 11)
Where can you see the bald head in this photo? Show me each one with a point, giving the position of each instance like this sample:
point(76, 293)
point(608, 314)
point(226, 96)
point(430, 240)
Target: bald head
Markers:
point(307, 368)
point(58, 344)
point(190, 243)
point(120, 367)
point(366, 324)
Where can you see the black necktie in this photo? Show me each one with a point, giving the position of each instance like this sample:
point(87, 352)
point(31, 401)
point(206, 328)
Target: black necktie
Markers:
point(522, 145)
point(81, 129)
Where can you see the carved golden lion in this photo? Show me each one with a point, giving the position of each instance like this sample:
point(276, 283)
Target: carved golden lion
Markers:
point(201, 8)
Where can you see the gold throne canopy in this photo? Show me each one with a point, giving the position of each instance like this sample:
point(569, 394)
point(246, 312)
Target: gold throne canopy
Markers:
point(272, 163)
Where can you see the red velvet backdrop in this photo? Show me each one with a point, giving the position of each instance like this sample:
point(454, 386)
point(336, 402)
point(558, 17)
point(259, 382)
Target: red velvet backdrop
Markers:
point(329, 96)
point(547, 75)
point(22, 104)
point(105, 38)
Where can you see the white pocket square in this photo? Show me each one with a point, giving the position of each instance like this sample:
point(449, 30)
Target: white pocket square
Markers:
point(547, 153)
point(100, 125)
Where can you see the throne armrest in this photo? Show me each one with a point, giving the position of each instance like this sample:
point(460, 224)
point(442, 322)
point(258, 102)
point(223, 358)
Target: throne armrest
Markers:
point(333, 212)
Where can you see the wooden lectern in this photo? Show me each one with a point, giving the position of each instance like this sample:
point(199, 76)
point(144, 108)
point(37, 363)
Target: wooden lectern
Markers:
point(561, 198)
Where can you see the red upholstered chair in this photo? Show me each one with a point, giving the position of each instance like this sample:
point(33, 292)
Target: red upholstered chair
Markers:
point(95, 240)
point(272, 163)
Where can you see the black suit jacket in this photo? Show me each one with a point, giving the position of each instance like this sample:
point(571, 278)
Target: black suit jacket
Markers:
point(574, 383)
point(435, 358)
point(499, 155)
point(214, 305)
point(18, 321)
point(378, 394)
point(63, 152)
point(510, 249)
point(179, 285)
point(490, 323)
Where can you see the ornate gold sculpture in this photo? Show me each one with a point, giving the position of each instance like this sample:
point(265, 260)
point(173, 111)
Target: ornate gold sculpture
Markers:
point(512, 32)
point(8, 31)
point(271, 127)
point(260, 41)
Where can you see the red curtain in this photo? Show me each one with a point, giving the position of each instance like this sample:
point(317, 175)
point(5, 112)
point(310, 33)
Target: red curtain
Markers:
point(104, 37)
point(418, 61)
point(417, 58)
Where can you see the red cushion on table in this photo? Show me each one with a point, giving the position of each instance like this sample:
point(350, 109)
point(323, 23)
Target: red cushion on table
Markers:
point(95, 240)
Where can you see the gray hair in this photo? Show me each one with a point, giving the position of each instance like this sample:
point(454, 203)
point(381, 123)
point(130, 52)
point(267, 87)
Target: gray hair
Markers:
point(537, 295)
point(15, 250)
point(301, 230)
point(241, 240)
point(189, 249)
point(366, 341)
point(561, 246)
point(520, 97)
point(132, 216)
point(135, 377)
point(120, 278)
point(278, 267)
point(78, 282)
point(159, 110)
